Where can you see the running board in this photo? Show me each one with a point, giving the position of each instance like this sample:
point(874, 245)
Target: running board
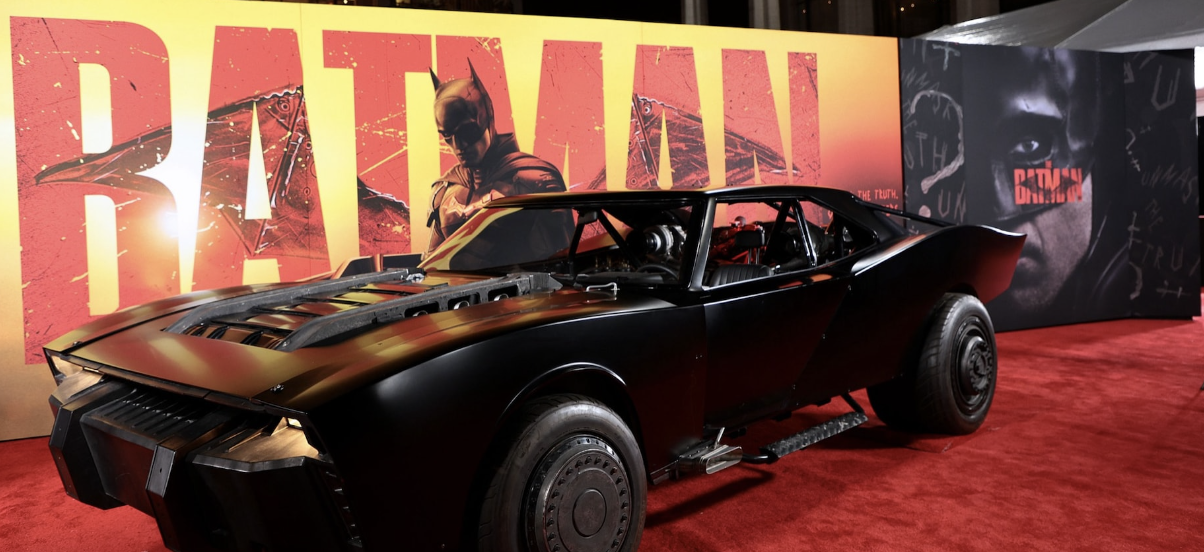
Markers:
point(715, 456)
point(775, 451)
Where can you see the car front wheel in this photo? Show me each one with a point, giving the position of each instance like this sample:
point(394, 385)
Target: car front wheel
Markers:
point(572, 478)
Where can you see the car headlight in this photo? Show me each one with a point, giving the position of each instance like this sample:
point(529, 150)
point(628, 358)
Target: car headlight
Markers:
point(311, 438)
point(61, 368)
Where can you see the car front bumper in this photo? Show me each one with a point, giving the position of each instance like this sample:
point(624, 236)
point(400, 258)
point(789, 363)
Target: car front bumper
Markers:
point(214, 477)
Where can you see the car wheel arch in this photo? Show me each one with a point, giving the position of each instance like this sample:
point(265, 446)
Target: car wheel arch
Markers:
point(964, 288)
point(916, 344)
point(581, 378)
point(923, 397)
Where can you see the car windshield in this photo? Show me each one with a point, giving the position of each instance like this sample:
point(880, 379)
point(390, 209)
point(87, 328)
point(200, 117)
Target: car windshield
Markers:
point(633, 242)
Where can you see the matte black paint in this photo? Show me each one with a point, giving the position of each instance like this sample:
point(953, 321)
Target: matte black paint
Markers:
point(406, 413)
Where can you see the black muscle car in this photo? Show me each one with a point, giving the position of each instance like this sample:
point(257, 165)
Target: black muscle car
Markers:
point(521, 387)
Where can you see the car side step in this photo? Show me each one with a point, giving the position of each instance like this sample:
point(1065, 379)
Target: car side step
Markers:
point(775, 451)
point(712, 458)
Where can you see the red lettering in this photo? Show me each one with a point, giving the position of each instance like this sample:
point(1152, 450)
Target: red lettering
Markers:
point(379, 62)
point(1074, 192)
point(1059, 194)
point(569, 128)
point(54, 175)
point(257, 73)
point(665, 92)
point(1037, 181)
point(752, 139)
point(1020, 187)
point(804, 117)
point(1045, 177)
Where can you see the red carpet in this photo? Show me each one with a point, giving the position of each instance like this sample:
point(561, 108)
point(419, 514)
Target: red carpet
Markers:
point(1095, 443)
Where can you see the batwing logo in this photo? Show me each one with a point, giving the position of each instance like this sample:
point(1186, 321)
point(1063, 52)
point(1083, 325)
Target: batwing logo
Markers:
point(1048, 185)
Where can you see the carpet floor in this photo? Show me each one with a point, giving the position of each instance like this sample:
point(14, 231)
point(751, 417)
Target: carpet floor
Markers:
point(1095, 442)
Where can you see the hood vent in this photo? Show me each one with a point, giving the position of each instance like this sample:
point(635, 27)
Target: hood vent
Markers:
point(299, 316)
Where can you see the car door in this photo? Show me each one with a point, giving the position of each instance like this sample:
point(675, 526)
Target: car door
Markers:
point(762, 324)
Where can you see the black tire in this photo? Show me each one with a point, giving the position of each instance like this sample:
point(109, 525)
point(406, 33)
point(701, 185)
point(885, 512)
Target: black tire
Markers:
point(571, 478)
point(952, 385)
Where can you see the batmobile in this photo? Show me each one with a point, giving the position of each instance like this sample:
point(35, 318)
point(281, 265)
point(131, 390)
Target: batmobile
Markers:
point(521, 387)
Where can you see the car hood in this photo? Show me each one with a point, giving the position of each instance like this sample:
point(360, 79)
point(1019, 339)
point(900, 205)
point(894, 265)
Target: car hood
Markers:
point(241, 342)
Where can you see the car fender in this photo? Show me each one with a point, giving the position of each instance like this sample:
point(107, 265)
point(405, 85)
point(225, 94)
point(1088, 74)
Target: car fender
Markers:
point(440, 417)
point(907, 278)
point(582, 378)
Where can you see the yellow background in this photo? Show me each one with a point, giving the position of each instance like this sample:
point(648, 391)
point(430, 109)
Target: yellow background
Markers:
point(858, 97)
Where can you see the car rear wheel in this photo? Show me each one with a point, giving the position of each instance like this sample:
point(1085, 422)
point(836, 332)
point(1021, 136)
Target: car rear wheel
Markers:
point(572, 479)
point(952, 385)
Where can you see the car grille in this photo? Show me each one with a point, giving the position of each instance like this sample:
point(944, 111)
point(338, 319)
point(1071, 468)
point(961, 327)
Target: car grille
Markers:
point(150, 416)
point(214, 475)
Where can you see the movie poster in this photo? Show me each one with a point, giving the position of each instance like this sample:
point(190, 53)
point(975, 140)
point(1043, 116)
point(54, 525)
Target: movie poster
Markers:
point(1045, 158)
point(1030, 140)
point(1091, 155)
point(156, 150)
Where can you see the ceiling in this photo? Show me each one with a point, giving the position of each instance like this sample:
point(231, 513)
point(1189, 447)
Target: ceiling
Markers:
point(1105, 25)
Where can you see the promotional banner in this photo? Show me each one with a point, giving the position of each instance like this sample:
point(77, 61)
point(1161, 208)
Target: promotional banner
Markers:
point(1160, 143)
point(1034, 141)
point(151, 149)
